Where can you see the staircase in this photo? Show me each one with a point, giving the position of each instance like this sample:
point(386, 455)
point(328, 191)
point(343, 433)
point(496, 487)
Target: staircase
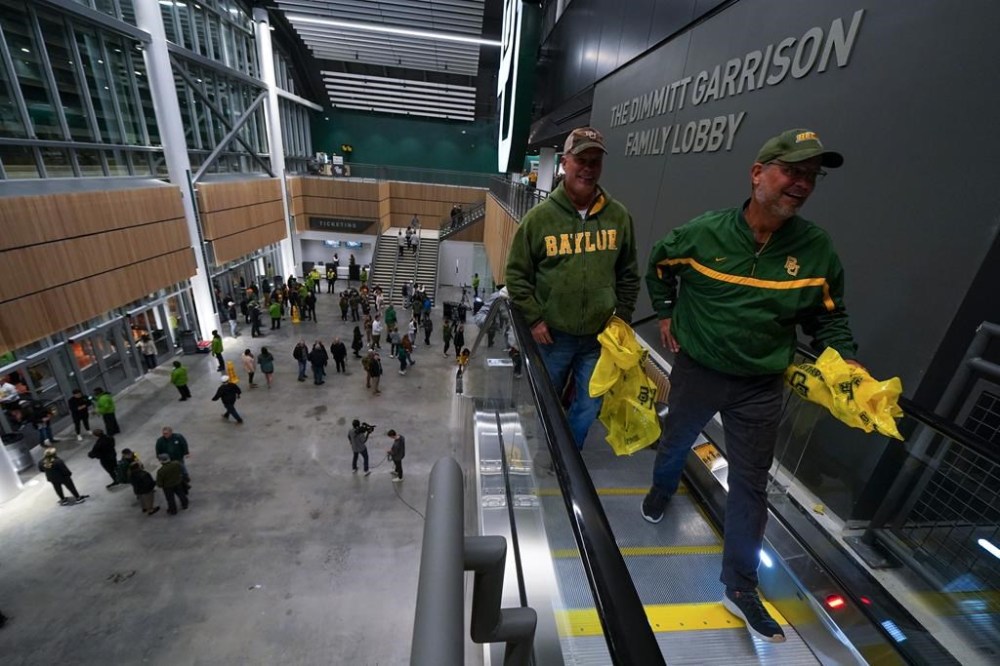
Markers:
point(427, 262)
point(383, 269)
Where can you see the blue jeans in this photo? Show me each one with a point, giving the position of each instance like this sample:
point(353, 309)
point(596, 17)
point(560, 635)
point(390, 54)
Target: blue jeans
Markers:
point(751, 410)
point(318, 373)
point(577, 354)
point(231, 411)
point(302, 369)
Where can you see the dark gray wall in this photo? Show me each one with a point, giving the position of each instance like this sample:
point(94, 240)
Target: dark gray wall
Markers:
point(914, 210)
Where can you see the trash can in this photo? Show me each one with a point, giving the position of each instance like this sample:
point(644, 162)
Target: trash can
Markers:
point(17, 450)
point(188, 343)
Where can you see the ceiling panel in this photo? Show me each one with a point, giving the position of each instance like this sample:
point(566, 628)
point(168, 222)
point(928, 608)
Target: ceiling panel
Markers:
point(364, 48)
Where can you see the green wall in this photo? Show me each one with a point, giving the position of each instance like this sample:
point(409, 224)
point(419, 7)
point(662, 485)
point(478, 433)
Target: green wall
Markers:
point(410, 142)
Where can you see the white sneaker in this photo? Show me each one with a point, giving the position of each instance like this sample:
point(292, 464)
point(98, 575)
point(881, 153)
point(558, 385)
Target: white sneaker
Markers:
point(397, 479)
point(79, 438)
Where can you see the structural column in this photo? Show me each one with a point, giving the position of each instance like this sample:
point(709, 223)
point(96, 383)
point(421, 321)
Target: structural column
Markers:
point(168, 120)
point(291, 249)
point(546, 168)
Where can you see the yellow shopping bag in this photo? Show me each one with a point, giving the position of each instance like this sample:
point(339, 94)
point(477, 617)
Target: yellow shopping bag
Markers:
point(628, 410)
point(849, 393)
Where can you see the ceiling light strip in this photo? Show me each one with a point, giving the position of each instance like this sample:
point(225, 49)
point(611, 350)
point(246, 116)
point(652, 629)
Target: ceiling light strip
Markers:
point(328, 74)
point(390, 30)
point(402, 113)
point(403, 104)
point(404, 92)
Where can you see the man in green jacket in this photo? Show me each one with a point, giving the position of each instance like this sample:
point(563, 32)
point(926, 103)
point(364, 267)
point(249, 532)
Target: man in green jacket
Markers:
point(179, 378)
point(217, 350)
point(105, 406)
point(749, 276)
point(571, 267)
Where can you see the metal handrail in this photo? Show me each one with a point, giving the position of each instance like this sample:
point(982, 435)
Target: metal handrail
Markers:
point(627, 631)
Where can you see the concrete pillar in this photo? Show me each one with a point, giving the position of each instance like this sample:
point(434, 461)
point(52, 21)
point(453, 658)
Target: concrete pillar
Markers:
point(546, 168)
point(290, 248)
point(168, 119)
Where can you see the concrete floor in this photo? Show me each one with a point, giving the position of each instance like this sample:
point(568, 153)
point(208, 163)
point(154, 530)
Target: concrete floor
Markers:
point(285, 556)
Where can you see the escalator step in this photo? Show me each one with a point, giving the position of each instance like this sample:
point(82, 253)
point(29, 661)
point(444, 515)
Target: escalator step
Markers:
point(662, 618)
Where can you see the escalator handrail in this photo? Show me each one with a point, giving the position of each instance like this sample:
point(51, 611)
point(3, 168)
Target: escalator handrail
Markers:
point(928, 418)
point(627, 631)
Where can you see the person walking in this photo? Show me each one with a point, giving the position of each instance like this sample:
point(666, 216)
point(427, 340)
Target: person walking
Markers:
point(446, 335)
point(255, 315)
point(58, 475)
point(274, 311)
point(106, 408)
point(459, 338)
point(358, 437)
point(338, 350)
point(357, 344)
point(396, 454)
point(733, 331)
point(266, 360)
point(170, 477)
point(428, 329)
point(179, 378)
point(463, 363)
point(375, 371)
point(79, 409)
point(572, 265)
point(402, 356)
point(104, 451)
point(228, 393)
point(344, 304)
point(250, 366)
point(377, 327)
point(148, 350)
point(318, 358)
point(217, 350)
point(234, 323)
point(301, 356)
point(475, 285)
point(144, 486)
point(401, 243)
point(176, 447)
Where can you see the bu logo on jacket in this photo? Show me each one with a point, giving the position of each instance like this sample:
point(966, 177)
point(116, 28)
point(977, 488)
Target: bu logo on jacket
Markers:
point(792, 266)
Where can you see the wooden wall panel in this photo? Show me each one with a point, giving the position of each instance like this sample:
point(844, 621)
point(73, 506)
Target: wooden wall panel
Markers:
point(234, 220)
point(236, 245)
point(32, 220)
point(474, 233)
point(26, 319)
point(499, 228)
point(78, 258)
point(237, 194)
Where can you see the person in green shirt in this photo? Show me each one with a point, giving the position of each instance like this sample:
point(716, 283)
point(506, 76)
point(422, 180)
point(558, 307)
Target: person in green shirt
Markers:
point(390, 316)
point(275, 311)
point(179, 378)
point(105, 406)
point(475, 285)
point(217, 350)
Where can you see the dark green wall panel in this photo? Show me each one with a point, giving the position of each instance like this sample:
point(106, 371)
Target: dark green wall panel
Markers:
point(409, 142)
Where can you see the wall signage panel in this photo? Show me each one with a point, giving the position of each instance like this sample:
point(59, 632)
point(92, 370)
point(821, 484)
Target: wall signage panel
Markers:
point(339, 224)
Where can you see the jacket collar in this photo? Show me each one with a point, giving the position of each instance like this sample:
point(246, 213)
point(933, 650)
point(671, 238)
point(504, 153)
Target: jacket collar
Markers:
point(562, 199)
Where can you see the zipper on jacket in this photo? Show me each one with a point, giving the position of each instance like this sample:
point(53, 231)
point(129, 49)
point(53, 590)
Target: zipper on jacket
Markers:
point(756, 256)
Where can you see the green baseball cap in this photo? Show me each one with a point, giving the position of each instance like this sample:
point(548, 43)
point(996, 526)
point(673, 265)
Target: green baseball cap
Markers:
point(796, 145)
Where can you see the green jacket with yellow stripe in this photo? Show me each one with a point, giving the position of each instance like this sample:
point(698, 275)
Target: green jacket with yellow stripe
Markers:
point(737, 306)
point(574, 271)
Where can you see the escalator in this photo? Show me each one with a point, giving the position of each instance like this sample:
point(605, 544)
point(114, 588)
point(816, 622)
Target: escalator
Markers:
point(610, 588)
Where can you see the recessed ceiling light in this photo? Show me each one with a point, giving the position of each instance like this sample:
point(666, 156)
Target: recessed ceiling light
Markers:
point(370, 27)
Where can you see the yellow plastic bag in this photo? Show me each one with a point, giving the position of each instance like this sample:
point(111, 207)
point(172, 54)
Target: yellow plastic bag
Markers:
point(628, 411)
point(849, 393)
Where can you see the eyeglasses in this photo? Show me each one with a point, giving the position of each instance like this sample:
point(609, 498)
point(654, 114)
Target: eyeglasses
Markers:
point(796, 172)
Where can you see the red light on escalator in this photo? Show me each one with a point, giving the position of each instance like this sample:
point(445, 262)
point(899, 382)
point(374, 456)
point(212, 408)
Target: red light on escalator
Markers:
point(866, 601)
point(835, 601)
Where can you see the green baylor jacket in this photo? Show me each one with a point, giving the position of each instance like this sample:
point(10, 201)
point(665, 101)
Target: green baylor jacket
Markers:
point(737, 307)
point(574, 273)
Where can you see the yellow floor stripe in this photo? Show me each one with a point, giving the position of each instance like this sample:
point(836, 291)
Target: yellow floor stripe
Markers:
point(640, 551)
point(662, 618)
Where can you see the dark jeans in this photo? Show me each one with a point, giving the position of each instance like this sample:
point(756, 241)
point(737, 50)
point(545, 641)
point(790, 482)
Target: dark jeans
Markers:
point(184, 391)
point(231, 411)
point(111, 424)
point(341, 365)
point(81, 419)
point(302, 369)
point(172, 494)
point(751, 409)
point(354, 459)
point(275, 323)
point(576, 354)
point(110, 466)
point(222, 364)
point(150, 360)
point(399, 467)
point(319, 372)
point(69, 486)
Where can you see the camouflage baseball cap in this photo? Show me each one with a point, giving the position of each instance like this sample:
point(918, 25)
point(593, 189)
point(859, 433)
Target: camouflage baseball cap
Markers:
point(583, 138)
point(797, 145)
